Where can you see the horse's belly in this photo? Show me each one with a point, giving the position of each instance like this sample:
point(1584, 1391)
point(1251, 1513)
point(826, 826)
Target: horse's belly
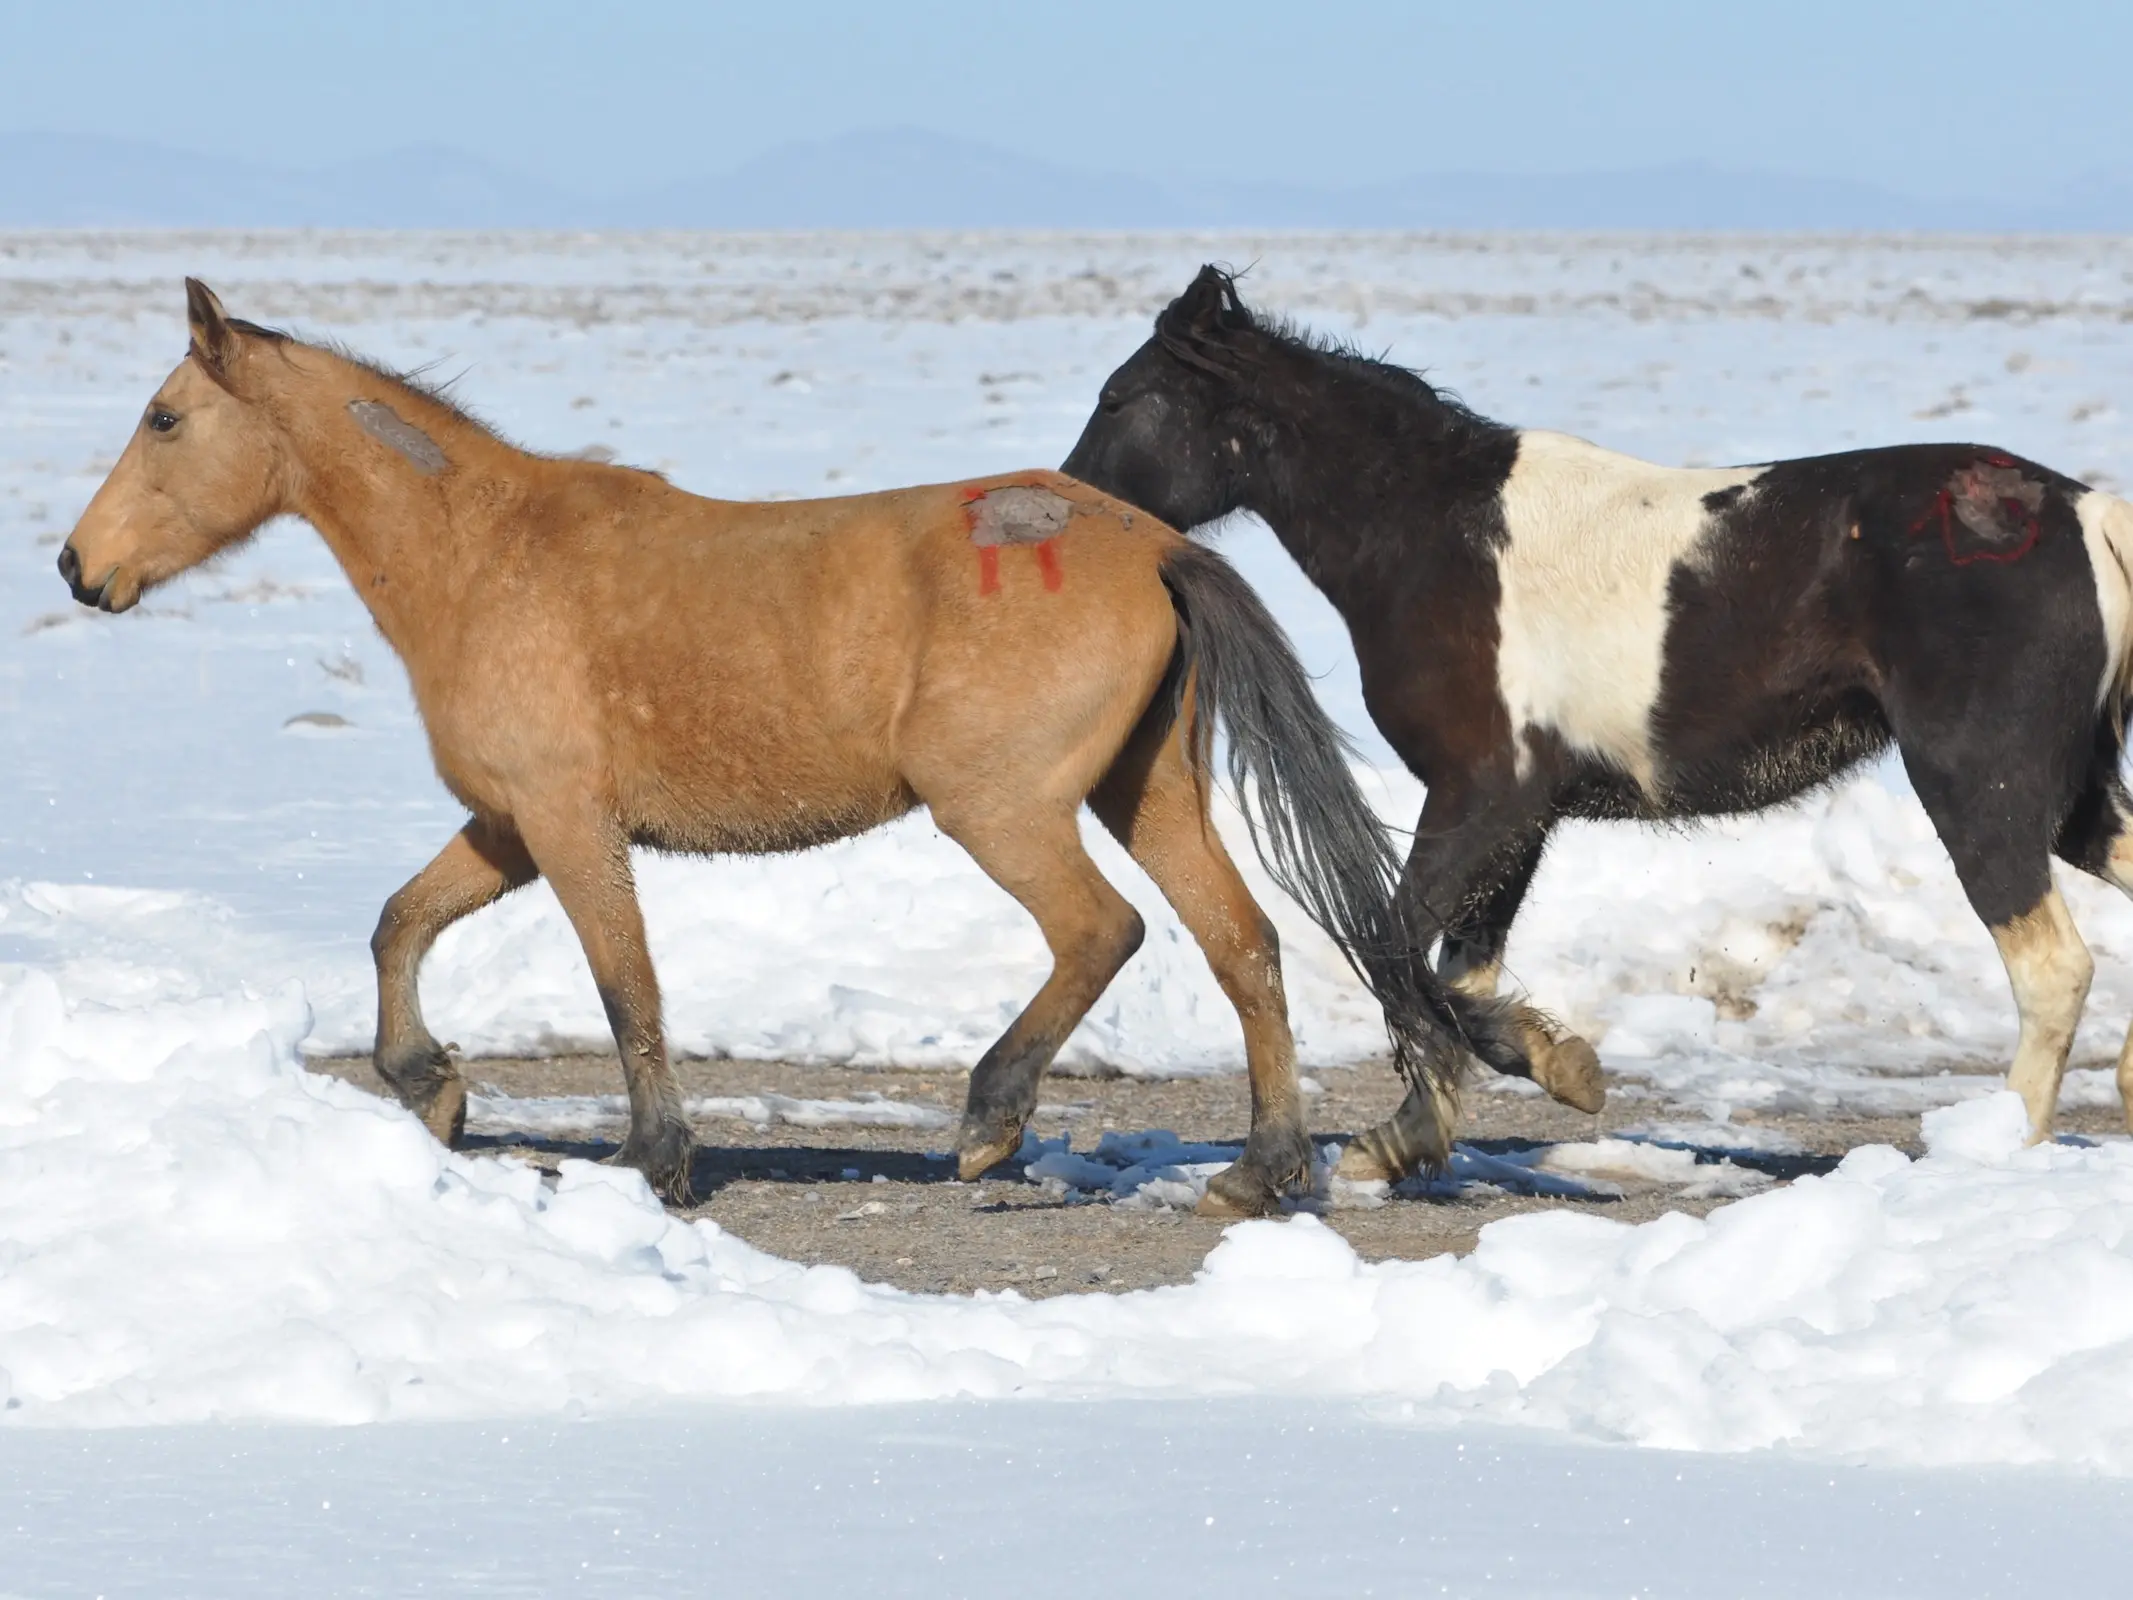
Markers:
point(735, 814)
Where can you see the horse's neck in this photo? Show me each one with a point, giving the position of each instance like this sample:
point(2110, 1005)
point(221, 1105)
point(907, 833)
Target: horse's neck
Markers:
point(388, 522)
point(1341, 514)
point(1317, 510)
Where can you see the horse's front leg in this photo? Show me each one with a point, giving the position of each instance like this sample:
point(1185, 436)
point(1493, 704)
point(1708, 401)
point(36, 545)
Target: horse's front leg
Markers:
point(586, 860)
point(482, 863)
point(1474, 855)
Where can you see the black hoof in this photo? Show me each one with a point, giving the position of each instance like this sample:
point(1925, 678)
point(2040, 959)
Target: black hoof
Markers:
point(1273, 1164)
point(663, 1158)
point(427, 1083)
point(982, 1145)
point(1239, 1190)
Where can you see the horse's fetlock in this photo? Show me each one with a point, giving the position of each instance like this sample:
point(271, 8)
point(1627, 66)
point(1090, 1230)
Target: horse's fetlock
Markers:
point(1242, 1189)
point(664, 1157)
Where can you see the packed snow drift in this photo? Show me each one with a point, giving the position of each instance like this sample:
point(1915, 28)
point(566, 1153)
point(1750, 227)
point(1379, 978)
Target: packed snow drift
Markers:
point(194, 1227)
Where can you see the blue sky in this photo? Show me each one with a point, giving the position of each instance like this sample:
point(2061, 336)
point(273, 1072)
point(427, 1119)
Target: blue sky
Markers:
point(1933, 98)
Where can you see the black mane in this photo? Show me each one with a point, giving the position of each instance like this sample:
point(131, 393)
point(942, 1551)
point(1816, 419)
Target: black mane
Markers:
point(1239, 361)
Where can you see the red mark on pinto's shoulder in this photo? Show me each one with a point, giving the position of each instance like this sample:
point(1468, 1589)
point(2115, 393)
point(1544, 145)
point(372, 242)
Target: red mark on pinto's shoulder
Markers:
point(988, 569)
point(1048, 564)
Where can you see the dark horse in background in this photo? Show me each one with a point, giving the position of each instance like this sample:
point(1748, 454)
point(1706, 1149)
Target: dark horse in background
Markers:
point(1548, 629)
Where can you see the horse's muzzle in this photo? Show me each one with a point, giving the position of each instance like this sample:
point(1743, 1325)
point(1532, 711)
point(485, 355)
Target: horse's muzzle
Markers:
point(70, 569)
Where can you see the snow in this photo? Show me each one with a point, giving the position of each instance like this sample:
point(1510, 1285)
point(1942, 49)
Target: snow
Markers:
point(202, 807)
point(1061, 1500)
point(195, 1228)
point(580, 1113)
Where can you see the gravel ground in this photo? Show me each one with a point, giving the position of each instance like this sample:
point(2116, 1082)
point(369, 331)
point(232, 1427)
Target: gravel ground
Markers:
point(883, 1202)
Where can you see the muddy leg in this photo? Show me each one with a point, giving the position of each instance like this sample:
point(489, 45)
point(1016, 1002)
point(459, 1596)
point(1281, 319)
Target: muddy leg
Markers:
point(1471, 957)
point(1471, 961)
point(586, 860)
point(1091, 931)
point(1468, 873)
point(479, 866)
point(1153, 805)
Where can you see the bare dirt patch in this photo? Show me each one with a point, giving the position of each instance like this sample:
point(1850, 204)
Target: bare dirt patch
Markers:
point(884, 1200)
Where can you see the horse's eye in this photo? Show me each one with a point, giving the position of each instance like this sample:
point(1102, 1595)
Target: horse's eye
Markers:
point(162, 421)
point(1112, 401)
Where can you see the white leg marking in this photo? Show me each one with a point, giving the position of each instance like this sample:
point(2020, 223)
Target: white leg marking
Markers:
point(2049, 969)
point(1594, 540)
point(1479, 981)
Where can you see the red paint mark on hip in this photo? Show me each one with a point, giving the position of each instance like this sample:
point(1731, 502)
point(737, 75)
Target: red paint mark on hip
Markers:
point(989, 569)
point(1048, 564)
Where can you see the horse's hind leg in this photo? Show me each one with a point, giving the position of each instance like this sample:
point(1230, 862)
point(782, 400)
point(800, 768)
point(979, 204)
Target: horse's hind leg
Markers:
point(479, 866)
point(1996, 832)
point(1037, 857)
point(2097, 837)
point(1152, 802)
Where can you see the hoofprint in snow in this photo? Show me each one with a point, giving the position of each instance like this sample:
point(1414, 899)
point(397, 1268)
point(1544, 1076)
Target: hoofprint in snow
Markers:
point(207, 803)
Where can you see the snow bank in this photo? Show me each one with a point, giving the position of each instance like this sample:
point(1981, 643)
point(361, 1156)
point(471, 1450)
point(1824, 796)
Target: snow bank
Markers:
point(192, 1227)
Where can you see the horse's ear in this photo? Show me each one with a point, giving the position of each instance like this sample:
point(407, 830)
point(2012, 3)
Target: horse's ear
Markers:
point(1206, 298)
point(214, 341)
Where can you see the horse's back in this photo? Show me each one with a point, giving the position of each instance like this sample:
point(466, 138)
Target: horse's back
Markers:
point(725, 645)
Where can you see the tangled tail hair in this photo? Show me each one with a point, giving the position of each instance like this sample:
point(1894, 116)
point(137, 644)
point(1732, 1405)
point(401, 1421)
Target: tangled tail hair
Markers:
point(1313, 829)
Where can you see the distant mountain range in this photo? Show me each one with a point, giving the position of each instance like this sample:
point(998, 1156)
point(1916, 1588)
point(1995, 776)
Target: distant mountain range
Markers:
point(911, 178)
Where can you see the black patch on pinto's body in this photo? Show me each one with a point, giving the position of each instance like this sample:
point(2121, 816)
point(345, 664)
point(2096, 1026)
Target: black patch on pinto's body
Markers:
point(1938, 597)
point(1828, 613)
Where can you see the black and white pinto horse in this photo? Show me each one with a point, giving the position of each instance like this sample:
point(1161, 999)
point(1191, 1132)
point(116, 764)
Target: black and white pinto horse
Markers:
point(1548, 629)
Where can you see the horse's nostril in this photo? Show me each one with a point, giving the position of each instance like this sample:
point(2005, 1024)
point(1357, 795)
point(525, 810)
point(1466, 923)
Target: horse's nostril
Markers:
point(70, 566)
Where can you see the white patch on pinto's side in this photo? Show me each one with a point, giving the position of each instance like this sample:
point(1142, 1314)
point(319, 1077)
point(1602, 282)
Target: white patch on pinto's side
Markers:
point(2107, 531)
point(1593, 540)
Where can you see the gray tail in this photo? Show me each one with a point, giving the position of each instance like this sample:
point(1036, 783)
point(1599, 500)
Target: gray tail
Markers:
point(1314, 831)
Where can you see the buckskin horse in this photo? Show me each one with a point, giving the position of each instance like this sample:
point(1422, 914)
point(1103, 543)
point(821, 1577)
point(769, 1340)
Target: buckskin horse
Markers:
point(601, 660)
point(1548, 629)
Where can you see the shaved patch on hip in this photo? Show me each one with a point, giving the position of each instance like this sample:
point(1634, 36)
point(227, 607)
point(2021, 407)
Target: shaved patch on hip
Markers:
point(1018, 514)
